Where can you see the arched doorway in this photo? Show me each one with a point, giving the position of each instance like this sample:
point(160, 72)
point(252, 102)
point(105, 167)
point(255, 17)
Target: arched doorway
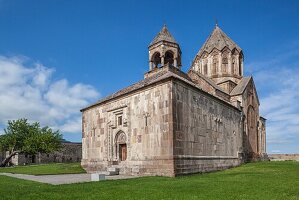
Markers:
point(121, 146)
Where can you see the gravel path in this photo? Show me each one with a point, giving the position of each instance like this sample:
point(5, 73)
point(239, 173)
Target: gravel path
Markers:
point(63, 178)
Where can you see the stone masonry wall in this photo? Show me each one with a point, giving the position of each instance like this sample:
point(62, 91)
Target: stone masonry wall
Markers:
point(207, 132)
point(146, 117)
point(70, 152)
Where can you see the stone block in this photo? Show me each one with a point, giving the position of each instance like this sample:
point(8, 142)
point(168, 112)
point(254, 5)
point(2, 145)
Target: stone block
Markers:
point(113, 171)
point(97, 177)
point(135, 169)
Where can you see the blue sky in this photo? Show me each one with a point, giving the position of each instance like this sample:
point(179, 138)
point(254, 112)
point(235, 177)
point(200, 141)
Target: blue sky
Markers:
point(58, 56)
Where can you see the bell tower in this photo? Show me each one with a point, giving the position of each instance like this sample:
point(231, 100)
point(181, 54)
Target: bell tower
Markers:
point(164, 50)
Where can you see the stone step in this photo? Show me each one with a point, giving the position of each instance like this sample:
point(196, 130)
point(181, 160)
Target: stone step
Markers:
point(102, 172)
point(113, 170)
point(113, 173)
point(97, 177)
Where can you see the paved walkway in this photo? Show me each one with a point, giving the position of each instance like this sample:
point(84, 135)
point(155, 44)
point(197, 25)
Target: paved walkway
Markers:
point(63, 178)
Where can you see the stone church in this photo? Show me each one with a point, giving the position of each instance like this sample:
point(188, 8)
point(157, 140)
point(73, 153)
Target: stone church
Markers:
point(172, 122)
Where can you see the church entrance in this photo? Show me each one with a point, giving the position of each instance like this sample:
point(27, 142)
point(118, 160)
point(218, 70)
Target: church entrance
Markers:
point(122, 152)
point(121, 146)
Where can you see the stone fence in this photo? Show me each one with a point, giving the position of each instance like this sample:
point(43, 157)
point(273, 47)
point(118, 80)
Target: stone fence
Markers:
point(278, 157)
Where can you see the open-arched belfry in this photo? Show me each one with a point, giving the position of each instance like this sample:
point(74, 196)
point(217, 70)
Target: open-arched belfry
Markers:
point(164, 50)
point(173, 123)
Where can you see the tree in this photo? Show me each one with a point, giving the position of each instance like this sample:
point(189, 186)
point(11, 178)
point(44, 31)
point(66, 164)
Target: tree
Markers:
point(20, 136)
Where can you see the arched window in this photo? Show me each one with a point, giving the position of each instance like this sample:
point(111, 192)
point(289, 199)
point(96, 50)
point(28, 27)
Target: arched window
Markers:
point(224, 64)
point(169, 58)
point(205, 69)
point(214, 69)
point(156, 59)
point(233, 65)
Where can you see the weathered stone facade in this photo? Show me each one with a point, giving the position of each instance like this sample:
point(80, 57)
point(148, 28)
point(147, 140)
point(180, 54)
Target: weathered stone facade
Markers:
point(144, 125)
point(173, 123)
point(207, 131)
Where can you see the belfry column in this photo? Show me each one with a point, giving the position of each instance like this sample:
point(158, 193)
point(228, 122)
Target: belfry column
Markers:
point(151, 65)
point(175, 62)
point(162, 60)
point(237, 65)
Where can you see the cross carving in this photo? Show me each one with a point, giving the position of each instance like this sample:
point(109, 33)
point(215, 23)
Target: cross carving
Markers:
point(146, 115)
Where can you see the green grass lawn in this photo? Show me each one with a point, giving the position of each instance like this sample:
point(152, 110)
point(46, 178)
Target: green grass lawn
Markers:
point(43, 169)
point(266, 180)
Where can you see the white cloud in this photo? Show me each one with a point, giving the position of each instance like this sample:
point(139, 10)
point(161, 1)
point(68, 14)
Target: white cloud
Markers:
point(41, 75)
point(72, 125)
point(277, 82)
point(275, 151)
point(27, 91)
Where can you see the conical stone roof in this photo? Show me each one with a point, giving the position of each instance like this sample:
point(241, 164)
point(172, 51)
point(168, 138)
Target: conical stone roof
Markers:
point(218, 39)
point(163, 35)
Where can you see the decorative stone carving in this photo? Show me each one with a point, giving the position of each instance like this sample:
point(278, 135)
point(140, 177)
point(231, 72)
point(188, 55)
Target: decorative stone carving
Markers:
point(121, 138)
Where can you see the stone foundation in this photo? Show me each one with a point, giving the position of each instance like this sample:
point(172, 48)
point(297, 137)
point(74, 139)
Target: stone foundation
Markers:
point(202, 164)
point(133, 168)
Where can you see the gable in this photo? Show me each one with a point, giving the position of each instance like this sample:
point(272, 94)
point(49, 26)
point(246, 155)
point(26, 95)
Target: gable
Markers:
point(208, 85)
point(244, 85)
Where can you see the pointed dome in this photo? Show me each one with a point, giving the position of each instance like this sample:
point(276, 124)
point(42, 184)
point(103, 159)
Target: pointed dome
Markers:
point(218, 39)
point(163, 35)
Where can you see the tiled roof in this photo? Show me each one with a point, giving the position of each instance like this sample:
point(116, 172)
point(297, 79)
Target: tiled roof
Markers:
point(163, 35)
point(239, 89)
point(218, 39)
point(212, 83)
point(145, 82)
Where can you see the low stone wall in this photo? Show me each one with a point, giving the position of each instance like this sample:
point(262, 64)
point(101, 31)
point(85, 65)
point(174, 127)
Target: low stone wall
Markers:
point(278, 157)
point(70, 152)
